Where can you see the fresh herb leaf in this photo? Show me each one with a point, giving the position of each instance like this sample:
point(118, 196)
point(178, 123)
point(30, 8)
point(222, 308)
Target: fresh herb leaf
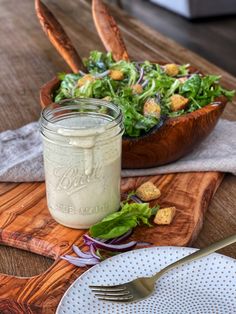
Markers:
point(61, 76)
point(184, 69)
point(98, 61)
point(200, 90)
point(118, 223)
point(191, 87)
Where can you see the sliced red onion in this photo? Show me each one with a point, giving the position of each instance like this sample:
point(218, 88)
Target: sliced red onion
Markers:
point(187, 76)
point(80, 261)
point(102, 240)
point(145, 83)
point(141, 76)
point(158, 97)
point(137, 67)
point(81, 253)
point(82, 73)
point(76, 263)
point(121, 238)
point(144, 243)
point(136, 199)
point(92, 251)
point(111, 247)
point(100, 75)
point(87, 241)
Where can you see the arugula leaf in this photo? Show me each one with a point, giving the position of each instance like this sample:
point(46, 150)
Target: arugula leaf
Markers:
point(200, 90)
point(61, 75)
point(128, 69)
point(98, 62)
point(184, 69)
point(227, 93)
point(173, 88)
point(116, 224)
point(191, 87)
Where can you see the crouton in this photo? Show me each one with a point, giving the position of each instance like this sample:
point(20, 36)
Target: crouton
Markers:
point(164, 216)
point(151, 108)
point(182, 79)
point(84, 79)
point(107, 98)
point(148, 192)
point(116, 75)
point(137, 89)
point(178, 102)
point(171, 69)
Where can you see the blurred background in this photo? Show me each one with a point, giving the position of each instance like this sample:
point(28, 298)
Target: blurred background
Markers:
point(207, 27)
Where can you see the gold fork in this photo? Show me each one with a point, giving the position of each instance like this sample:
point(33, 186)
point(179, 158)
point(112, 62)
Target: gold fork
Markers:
point(142, 288)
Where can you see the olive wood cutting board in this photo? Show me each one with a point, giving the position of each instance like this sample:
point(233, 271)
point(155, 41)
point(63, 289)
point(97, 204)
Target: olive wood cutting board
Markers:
point(26, 223)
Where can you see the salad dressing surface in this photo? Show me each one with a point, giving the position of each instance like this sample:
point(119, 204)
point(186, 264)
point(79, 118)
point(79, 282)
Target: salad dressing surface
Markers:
point(86, 140)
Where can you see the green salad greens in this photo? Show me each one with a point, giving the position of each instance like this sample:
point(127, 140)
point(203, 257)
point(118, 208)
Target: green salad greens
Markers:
point(127, 218)
point(146, 92)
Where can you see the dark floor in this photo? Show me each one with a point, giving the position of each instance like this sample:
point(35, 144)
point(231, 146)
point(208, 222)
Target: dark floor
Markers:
point(212, 38)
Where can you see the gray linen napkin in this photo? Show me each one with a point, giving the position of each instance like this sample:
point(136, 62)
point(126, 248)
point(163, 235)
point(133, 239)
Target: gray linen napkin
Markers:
point(21, 155)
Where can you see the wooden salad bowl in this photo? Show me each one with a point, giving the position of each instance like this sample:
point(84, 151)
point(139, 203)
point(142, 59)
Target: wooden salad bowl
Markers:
point(161, 145)
point(174, 139)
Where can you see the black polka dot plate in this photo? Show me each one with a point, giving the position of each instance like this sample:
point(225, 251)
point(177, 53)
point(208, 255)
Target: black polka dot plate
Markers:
point(204, 286)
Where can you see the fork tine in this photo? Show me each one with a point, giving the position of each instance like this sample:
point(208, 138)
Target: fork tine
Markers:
point(112, 299)
point(111, 293)
point(110, 288)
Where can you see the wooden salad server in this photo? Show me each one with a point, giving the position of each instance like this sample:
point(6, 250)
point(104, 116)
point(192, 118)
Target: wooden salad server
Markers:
point(108, 31)
point(58, 37)
point(163, 144)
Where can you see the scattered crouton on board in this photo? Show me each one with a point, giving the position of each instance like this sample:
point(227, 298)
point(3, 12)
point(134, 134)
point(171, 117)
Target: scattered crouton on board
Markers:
point(165, 216)
point(148, 191)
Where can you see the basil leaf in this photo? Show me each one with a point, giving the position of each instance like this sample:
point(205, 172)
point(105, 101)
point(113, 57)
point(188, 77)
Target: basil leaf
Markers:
point(117, 224)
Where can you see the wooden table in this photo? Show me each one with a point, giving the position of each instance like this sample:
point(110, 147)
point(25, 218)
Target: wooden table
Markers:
point(27, 60)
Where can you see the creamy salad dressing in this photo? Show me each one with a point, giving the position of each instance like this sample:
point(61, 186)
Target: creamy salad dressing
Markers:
point(82, 160)
point(84, 139)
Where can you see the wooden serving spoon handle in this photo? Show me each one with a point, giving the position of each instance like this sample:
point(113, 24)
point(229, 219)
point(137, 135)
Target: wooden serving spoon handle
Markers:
point(58, 37)
point(108, 31)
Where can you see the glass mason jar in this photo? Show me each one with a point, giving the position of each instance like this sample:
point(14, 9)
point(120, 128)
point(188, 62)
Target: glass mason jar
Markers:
point(82, 141)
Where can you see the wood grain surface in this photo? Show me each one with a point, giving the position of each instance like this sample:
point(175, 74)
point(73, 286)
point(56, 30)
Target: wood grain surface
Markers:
point(27, 61)
point(108, 30)
point(25, 223)
point(58, 37)
point(220, 31)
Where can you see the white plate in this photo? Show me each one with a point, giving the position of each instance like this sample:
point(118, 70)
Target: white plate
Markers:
point(206, 286)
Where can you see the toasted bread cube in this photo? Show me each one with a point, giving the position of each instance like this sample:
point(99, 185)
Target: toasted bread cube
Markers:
point(171, 69)
point(116, 75)
point(107, 98)
point(164, 216)
point(85, 79)
point(137, 89)
point(182, 79)
point(148, 192)
point(178, 102)
point(151, 108)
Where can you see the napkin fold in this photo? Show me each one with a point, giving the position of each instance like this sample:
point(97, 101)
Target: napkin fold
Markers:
point(21, 154)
